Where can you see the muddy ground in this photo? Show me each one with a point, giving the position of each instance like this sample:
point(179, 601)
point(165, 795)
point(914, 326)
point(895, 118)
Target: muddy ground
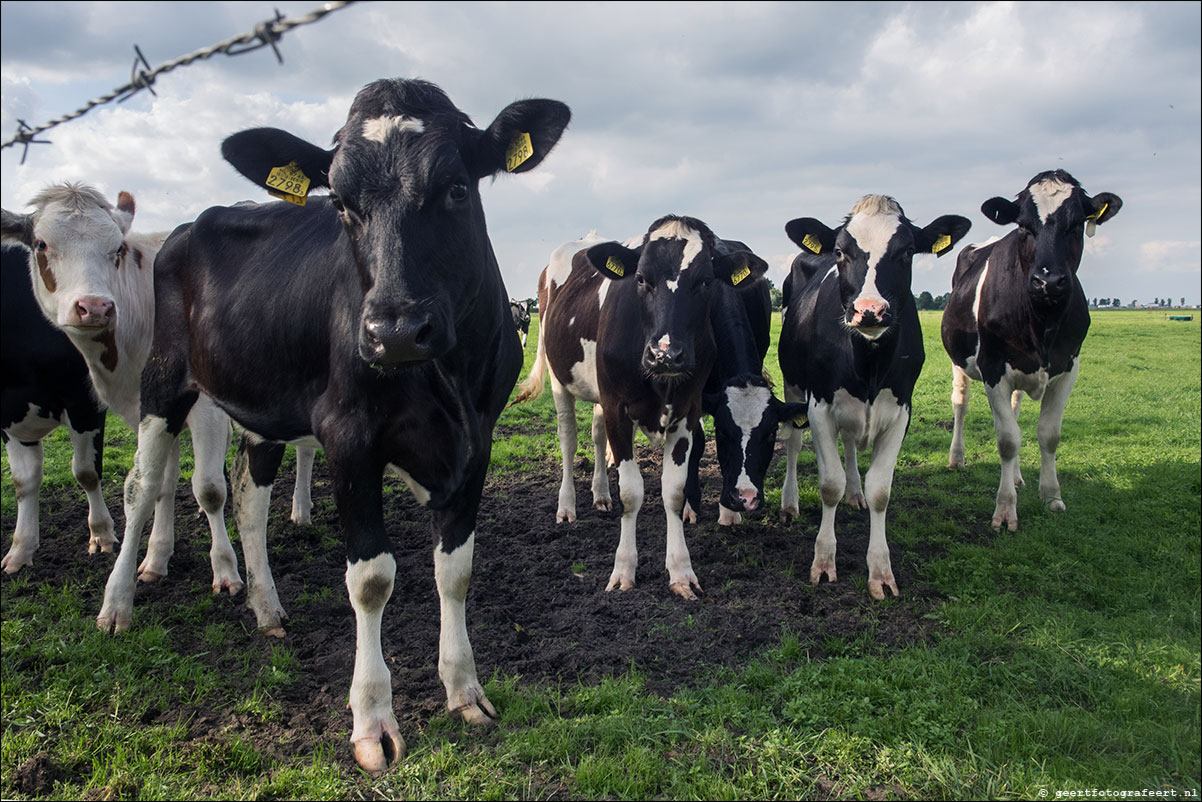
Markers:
point(537, 607)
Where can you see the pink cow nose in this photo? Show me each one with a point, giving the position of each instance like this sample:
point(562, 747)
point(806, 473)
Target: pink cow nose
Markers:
point(869, 311)
point(93, 311)
point(750, 499)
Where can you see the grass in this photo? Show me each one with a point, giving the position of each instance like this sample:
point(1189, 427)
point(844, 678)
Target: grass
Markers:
point(1068, 658)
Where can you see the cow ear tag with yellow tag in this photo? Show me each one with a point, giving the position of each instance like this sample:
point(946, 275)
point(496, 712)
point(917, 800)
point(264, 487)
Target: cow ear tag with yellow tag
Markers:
point(811, 242)
point(942, 244)
point(615, 267)
point(1091, 222)
point(520, 149)
point(288, 183)
point(740, 274)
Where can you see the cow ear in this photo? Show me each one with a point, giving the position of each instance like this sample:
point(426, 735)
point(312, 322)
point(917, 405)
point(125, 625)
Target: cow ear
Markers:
point(735, 264)
point(611, 259)
point(811, 234)
point(123, 215)
point(286, 165)
point(520, 138)
point(17, 228)
point(791, 412)
point(941, 235)
point(1001, 211)
point(1105, 206)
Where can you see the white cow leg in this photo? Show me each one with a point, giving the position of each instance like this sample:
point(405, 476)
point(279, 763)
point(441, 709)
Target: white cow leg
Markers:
point(681, 579)
point(853, 493)
point(789, 504)
point(626, 558)
point(879, 484)
point(601, 498)
point(142, 488)
point(211, 433)
point(302, 493)
point(251, 504)
point(960, 394)
point(831, 480)
point(1009, 439)
point(375, 738)
point(1051, 417)
point(1016, 406)
point(25, 461)
point(565, 418)
point(101, 536)
point(456, 663)
point(162, 531)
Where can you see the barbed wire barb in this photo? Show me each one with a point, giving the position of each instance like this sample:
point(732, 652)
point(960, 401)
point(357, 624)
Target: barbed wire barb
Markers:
point(264, 35)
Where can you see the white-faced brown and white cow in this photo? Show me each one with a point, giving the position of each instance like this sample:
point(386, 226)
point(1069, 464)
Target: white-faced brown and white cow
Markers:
point(1016, 319)
point(45, 385)
point(374, 320)
point(627, 328)
point(851, 344)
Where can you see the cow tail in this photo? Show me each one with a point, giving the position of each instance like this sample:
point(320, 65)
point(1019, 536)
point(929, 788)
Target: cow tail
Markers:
point(533, 386)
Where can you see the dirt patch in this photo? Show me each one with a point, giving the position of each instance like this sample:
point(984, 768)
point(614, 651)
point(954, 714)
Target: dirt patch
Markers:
point(537, 607)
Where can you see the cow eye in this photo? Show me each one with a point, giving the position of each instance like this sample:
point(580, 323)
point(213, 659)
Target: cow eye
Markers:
point(838, 253)
point(40, 245)
point(336, 202)
point(641, 279)
point(458, 193)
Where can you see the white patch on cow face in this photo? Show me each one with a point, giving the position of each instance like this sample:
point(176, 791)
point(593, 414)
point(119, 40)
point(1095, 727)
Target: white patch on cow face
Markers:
point(377, 129)
point(747, 406)
point(675, 229)
point(1049, 195)
point(872, 233)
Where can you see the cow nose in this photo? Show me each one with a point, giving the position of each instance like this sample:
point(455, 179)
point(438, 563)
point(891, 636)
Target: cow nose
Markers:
point(94, 311)
point(393, 341)
point(751, 499)
point(1044, 282)
point(661, 359)
point(868, 311)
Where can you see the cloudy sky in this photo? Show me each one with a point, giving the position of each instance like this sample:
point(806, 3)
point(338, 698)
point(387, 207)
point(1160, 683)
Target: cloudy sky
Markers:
point(745, 115)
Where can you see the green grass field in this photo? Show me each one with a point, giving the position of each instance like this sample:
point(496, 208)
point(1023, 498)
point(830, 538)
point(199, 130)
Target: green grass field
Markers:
point(1067, 663)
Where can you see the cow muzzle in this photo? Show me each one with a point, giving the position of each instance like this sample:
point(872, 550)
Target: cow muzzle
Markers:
point(93, 312)
point(741, 499)
point(1045, 284)
point(665, 361)
point(391, 341)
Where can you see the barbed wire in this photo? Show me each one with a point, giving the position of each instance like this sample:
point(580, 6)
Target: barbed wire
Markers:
point(264, 35)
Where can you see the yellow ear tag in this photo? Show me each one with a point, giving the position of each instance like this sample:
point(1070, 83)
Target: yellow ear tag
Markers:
point(615, 267)
point(811, 242)
point(941, 244)
point(740, 274)
point(800, 421)
point(288, 183)
point(520, 149)
point(1091, 226)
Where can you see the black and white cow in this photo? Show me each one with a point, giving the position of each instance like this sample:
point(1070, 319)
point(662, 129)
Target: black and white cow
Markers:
point(1016, 319)
point(851, 344)
point(374, 321)
point(45, 385)
point(521, 319)
point(626, 327)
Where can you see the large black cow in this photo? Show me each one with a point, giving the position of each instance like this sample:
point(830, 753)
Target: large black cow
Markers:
point(851, 344)
point(627, 328)
point(1016, 319)
point(45, 385)
point(373, 320)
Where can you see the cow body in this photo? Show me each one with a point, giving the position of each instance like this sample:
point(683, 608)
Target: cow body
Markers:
point(45, 386)
point(626, 327)
point(521, 320)
point(373, 321)
point(1016, 320)
point(851, 346)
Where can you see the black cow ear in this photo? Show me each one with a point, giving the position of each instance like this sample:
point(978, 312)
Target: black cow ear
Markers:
point(286, 165)
point(795, 413)
point(17, 228)
point(611, 259)
point(942, 234)
point(520, 138)
point(735, 264)
point(1105, 206)
point(811, 234)
point(1001, 211)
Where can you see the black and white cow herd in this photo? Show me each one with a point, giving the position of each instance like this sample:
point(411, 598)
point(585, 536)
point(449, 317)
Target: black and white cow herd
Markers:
point(372, 321)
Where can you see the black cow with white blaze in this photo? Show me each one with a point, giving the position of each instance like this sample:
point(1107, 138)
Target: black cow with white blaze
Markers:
point(45, 385)
point(521, 319)
point(851, 345)
point(374, 321)
point(1016, 320)
point(627, 328)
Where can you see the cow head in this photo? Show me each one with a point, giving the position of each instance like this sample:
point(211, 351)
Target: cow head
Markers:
point(874, 251)
point(79, 251)
point(674, 268)
point(1053, 211)
point(746, 417)
point(404, 177)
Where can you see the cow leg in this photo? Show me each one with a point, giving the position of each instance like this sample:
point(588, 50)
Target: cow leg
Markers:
point(1016, 403)
point(565, 417)
point(692, 485)
point(854, 493)
point(831, 481)
point(677, 445)
point(789, 505)
point(25, 461)
point(630, 491)
point(879, 485)
point(302, 499)
point(1051, 417)
point(1009, 439)
point(142, 488)
point(255, 468)
point(601, 498)
point(162, 530)
point(87, 464)
point(960, 393)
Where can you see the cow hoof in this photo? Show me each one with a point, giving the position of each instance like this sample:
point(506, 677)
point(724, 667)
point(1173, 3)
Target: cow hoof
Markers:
point(684, 589)
point(788, 514)
point(374, 755)
point(150, 576)
point(602, 504)
point(688, 515)
point(234, 586)
point(112, 623)
point(302, 520)
point(821, 567)
point(857, 501)
point(956, 463)
point(565, 517)
point(480, 713)
point(15, 562)
point(103, 542)
point(876, 588)
point(619, 582)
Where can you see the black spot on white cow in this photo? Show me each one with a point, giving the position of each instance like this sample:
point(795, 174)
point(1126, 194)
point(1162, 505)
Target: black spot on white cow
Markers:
point(373, 321)
point(851, 345)
point(1016, 320)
